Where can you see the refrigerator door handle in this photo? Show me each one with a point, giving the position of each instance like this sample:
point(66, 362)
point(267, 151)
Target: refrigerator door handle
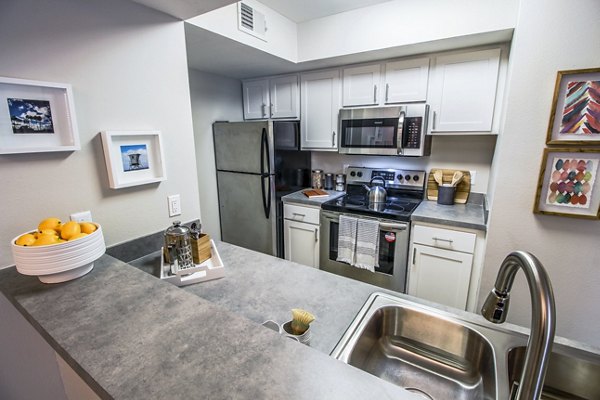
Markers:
point(264, 151)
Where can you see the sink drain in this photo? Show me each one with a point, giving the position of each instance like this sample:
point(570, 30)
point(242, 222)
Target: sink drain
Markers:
point(420, 393)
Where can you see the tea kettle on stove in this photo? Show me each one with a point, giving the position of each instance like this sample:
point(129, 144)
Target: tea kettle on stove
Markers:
point(376, 194)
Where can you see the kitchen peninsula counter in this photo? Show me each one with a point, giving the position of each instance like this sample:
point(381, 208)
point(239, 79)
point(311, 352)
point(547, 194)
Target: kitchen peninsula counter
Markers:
point(130, 335)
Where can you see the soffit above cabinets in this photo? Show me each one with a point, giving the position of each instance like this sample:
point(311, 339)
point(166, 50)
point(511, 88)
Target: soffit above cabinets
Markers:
point(185, 9)
point(213, 53)
point(305, 10)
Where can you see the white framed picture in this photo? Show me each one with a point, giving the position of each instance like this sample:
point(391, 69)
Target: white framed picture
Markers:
point(133, 157)
point(36, 116)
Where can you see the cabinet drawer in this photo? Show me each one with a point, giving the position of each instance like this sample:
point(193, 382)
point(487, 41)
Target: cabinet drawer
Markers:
point(304, 214)
point(444, 238)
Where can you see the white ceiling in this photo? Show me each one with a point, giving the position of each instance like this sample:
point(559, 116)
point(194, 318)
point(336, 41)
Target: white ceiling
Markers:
point(305, 10)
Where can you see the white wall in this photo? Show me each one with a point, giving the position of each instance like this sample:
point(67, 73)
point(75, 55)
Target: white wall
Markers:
point(127, 64)
point(214, 98)
point(281, 35)
point(401, 23)
point(546, 40)
point(473, 153)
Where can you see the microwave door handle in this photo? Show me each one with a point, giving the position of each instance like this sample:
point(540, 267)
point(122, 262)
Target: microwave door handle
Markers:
point(401, 130)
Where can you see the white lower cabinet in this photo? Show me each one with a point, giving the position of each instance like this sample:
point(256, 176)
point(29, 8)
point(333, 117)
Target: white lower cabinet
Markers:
point(445, 265)
point(301, 234)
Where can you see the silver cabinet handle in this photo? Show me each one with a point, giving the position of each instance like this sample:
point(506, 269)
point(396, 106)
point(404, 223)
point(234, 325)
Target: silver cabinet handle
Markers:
point(316, 235)
point(414, 255)
point(333, 139)
point(434, 119)
point(437, 239)
point(272, 109)
point(375, 94)
point(264, 111)
point(387, 91)
point(299, 215)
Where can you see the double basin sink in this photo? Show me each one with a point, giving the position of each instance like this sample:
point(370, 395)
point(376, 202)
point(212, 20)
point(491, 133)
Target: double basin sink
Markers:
point(438, 355)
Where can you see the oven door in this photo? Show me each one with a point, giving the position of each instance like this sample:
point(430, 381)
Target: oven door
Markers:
point(393, 253)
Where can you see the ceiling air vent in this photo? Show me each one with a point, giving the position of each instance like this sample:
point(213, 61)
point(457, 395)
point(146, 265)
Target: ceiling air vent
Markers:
point(252, 21)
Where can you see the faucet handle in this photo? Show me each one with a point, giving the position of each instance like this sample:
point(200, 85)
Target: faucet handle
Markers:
point(495, 307)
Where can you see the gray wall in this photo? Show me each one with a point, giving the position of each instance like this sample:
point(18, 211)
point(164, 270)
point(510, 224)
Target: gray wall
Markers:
point(28, 368)
point(550, 36)
point(214, 98)
point(128, 67)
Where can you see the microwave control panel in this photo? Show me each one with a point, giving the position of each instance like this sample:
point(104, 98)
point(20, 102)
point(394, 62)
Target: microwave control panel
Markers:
point(412, 133)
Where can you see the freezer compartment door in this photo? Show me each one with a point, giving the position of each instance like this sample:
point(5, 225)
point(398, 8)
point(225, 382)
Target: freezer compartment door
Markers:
point(243, 146)
point(242, 208)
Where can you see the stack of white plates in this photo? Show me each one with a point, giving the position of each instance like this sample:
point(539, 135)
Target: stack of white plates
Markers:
point(60, 262)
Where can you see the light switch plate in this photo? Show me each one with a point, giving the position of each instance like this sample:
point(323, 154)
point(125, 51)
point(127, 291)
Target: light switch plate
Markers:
point(174, 205)
point(473, 175)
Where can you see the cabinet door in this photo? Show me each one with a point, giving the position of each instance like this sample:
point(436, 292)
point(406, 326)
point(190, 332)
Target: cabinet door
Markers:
point(301, 242)
point(463, 91)
point(320, 96)
point(406, 81)
point(256, 99)
point(440, 275)
point(360, 85)
point(284, 96)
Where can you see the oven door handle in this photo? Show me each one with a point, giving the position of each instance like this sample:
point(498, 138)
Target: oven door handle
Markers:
point(396, 227)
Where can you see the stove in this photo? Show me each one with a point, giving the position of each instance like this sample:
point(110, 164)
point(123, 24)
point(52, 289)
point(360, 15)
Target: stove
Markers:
point(405, 191)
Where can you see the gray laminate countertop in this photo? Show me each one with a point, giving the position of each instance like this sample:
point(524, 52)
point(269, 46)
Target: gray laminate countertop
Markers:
point(459, 215)
point(299, 198)
point(130, 335)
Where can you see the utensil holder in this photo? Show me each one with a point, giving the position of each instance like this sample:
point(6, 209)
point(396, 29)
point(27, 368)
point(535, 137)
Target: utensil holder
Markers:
point(446, 195)
point(201, 248)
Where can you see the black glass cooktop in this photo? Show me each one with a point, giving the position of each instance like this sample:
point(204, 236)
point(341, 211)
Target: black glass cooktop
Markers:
point(397, 207)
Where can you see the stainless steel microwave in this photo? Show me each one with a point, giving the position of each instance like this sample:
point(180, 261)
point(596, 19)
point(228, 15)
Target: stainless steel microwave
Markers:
point(398, 130)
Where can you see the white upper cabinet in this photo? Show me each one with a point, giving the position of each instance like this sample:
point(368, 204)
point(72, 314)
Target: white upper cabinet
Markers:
point(360, 85)
point(276, 97)
point(284, 96)
point(320, 94)
point(256, 98)
point(462, 91)
point(406, 81)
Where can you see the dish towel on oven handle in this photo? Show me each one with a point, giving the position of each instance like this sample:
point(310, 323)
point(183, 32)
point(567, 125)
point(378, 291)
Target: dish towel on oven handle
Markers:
point(347, 239)
point(367, 244)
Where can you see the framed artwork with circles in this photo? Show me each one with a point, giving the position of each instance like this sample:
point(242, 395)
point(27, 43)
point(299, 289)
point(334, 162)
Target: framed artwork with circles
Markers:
point(568, 183)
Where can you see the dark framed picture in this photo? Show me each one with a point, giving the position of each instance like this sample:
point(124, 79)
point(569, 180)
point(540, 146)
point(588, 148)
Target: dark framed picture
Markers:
point(36, 116)
point(575, 115)
point(133, 158)
point(568, 183)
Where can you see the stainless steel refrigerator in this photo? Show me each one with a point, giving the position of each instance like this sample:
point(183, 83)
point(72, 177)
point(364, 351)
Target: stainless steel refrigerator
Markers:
point(257, 163)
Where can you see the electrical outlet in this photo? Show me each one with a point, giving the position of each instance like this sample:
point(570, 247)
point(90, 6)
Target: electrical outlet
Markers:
point(174, 205)
point(473, 175)
point(81, 216)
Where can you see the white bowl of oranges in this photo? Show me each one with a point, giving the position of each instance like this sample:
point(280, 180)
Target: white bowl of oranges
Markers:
point(58, 252)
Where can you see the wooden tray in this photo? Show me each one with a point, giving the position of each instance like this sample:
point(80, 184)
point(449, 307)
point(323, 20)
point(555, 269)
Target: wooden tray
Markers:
point(462, 189)
point(312, 193)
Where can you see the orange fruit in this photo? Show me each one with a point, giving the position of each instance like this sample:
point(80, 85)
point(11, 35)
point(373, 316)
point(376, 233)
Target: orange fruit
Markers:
point(77, 236)
point(25, 240)
point(44, 240)
point(87, 227)
point(50, 223)
point(69, 229)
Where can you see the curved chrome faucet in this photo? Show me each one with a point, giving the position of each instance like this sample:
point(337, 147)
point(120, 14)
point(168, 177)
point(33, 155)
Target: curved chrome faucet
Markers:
point(543, 316)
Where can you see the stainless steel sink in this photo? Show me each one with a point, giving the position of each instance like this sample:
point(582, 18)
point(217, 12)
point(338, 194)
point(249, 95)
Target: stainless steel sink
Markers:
point(568, 376)
point(442, 355)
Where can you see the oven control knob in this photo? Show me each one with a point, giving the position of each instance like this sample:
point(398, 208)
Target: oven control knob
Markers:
point(416, 178)
point(352, 173)
point(359, 174)
point(400, 177)
point(407, 177)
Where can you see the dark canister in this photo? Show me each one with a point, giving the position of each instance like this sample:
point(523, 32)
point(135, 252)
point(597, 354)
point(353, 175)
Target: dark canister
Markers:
point(446, 195)
point(329, 182)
